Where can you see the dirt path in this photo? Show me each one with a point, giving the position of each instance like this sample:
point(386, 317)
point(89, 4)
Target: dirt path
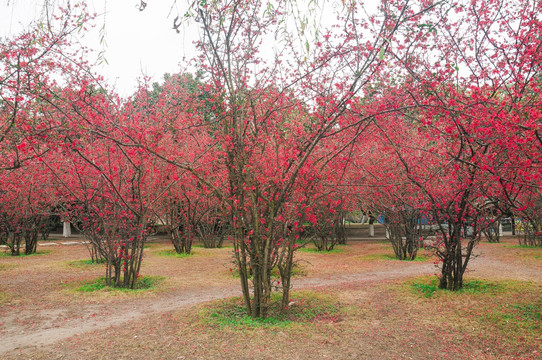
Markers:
point(28, 328)
point(61, 324)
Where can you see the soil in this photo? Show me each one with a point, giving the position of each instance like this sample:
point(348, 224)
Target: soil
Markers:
point(41, 316)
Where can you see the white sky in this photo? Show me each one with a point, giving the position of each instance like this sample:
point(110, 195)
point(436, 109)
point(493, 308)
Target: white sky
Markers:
point(137, 42)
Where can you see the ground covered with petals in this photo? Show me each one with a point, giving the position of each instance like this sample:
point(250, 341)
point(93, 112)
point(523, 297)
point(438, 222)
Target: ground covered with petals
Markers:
point(354, 303)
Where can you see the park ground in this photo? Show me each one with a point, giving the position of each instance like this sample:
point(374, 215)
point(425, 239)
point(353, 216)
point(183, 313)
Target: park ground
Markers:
point(364, 305)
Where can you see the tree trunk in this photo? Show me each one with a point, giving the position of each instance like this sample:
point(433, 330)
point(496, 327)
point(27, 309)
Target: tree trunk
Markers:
point(67, 230)
point(285, 269)
point(15, 243)
point(454, 258)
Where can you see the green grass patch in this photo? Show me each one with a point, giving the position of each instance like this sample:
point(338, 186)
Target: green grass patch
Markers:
point(526, 316)
point(22, 254)
point(532, 251)
point(420, 258)
point(506, 311)
point(516, 317)
point(4, 298)
point(338, 249)
point(520, 321)
point(428, 287)
point(84, 263)
point(378, 257)
point(7, 266)
point(306, 307)
point(522, 247)
point(172, 253)
point(144, 283)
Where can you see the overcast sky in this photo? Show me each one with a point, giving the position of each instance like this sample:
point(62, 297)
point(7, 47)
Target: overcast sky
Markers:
point(137, 42)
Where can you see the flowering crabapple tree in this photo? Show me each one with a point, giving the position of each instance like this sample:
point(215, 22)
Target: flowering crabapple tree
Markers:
point(109, 190)
point(382, 186)
point(271, 113)
point(212, 228)
point(26, 206)
point(328, 231)
point(491, 225)
point(403, 222)
point(179, 109)
point(449, 194)
point(28, 65)
point(189, 213)
point(326, 193)
point(324, 213)
point(474, 89)
point(530, 233)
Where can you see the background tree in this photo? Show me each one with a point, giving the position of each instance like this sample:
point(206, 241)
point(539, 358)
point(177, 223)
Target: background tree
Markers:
point(25, 206)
